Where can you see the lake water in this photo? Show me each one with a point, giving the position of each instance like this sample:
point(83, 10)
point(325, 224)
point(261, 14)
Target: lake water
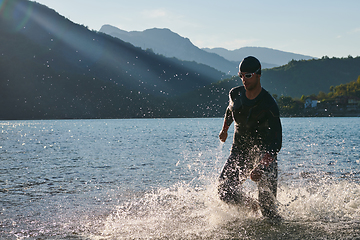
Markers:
point(156, 179)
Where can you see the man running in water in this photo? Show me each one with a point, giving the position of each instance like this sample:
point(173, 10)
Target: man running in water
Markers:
point(257, 140)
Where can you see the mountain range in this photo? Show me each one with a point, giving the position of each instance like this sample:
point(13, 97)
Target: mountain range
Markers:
point(52, 68)
point(170, 44)
point(271, 57)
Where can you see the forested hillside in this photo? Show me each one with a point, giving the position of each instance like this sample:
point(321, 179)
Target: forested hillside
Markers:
point(212, 100)
point(306, 77)
point(53, 68)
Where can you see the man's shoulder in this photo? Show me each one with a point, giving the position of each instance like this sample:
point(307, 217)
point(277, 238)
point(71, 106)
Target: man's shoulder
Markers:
point(268, 96)
point(236, 91)
point(270, 102)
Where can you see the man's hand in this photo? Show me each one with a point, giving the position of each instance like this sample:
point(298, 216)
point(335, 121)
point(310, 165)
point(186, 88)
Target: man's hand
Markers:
point(256, 174)
point(223, 135)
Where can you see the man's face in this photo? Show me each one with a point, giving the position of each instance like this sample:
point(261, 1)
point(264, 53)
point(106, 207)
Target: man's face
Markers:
point(250, 83)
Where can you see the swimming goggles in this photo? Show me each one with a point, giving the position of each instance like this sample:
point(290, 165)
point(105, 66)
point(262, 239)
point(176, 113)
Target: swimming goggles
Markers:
point(248, 75)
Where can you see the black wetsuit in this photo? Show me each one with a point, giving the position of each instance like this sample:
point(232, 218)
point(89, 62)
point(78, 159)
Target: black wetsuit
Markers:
point(257, 131)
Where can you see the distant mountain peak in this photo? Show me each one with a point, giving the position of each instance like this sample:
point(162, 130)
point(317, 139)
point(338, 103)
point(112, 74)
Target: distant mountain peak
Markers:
point(170, 44)
point(159, 29)
point(266, 55)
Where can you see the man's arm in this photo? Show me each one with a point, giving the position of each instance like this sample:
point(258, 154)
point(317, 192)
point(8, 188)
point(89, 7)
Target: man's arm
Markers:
point(223, 134)
point(274, 145)
point(227, 122)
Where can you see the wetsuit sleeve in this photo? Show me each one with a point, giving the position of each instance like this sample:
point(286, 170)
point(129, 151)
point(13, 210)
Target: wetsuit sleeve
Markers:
point(228, 117)
point(228, 114)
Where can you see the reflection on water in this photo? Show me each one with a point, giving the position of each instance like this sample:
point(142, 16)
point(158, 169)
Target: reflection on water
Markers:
point(156, 178)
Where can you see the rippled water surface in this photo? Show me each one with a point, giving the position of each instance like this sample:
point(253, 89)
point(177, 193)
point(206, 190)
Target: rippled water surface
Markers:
point(156, 178)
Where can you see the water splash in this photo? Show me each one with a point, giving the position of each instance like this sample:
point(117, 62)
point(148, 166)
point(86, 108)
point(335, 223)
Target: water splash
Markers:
point(184, 211)
point(179, 212)
point(324, 200)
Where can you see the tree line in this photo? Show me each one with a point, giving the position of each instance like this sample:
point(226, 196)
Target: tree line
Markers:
point(294, 106)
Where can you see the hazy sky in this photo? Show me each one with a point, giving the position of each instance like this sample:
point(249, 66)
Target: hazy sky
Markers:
point(310, 27)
